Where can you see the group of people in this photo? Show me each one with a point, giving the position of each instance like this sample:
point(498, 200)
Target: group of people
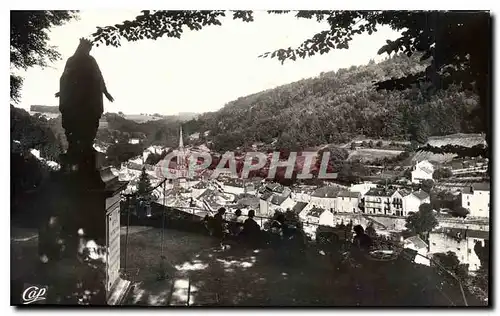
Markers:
point(237, 226)
point(245, 228)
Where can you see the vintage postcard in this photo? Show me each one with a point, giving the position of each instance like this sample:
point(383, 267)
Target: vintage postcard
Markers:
point(250, 158)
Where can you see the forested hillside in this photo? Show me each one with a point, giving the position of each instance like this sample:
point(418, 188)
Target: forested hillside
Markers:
point(335, 106)
point(37, 132)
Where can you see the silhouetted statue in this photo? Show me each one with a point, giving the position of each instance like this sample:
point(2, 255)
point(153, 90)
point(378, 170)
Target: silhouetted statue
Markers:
point(80, 99)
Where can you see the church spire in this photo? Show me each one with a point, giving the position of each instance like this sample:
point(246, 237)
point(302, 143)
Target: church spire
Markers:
point(181, 142)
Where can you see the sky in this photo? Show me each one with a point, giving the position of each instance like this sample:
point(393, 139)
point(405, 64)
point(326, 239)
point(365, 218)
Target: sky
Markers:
point(200, 72)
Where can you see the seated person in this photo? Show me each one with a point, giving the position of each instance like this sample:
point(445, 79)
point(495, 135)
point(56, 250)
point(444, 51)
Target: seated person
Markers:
point(250, 227)
point(278, 225)
point(219, 224)
point(362, 243)
point(237, 222)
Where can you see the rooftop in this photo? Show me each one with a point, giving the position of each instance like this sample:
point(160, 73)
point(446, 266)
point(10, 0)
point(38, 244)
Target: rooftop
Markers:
point(349, 194)
point(417, 241)
point(463, 233)
point(326, 192)
point(299, 206)
point(381, 192)
point(404, 192)
point(252, 202)
point(266, 195)
point(316, 212)
point(421, 195)
point(278, 199)
point(207, 193)
point(482, 186)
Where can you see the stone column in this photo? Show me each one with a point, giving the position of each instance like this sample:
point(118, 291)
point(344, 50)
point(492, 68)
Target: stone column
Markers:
point(116, 287)
point(80, 238)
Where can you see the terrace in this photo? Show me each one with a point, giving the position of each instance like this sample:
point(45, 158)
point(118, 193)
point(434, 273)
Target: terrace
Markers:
point(200, 273)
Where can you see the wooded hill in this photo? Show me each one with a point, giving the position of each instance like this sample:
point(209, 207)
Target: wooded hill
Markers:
point(336, 106)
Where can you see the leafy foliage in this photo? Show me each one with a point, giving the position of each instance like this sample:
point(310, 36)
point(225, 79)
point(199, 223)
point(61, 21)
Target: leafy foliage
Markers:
point(153, 24)
point(442, 173)
point(144, 185)
point(427, 185)
point(483, 253)
point(154, 158)
point(27, 173)
point(370, 230)
point(444, 199)
point(29, 42)
point(422, 221)
point(460, 212)
point(121, 152)
point(450, 261)
point(35, 132)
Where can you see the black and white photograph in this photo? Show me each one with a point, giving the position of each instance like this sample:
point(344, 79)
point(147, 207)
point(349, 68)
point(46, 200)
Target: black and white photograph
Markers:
point(251, 158)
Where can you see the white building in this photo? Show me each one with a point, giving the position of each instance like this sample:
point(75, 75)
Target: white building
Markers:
point(413, 200)
point(299, 207)
point(383, 201)
point(325, 197)
point(302, 193)
point(134, 141)
point(319, 216)
point(348, 202)
point(417, 244)
point(279, 202)
point(194, 136)
point(476, 199)
point(459, 241)
point(264, 204)
point(423, 170)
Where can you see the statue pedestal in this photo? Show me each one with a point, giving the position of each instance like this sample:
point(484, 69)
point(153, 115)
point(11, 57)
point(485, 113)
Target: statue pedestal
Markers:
point(116, 287)
point(79, 243)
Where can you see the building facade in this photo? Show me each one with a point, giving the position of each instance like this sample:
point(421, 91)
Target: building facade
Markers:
point(476, 199)
point(383, 201)
point(459, 241)
point(348, 202)
point(423, 170)
point(413, 200)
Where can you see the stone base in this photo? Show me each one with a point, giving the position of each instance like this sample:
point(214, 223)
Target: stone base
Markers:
point(118, 292)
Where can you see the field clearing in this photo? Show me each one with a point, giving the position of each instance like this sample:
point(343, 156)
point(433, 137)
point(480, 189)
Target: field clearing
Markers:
point(466, 140)
point(141, 118)
point(367, 154)
point(432, 157)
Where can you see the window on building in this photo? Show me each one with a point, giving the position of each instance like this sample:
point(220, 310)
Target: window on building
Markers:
point(469, 251)
point(433, 243)
point(458, 249)
point(468, 203)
